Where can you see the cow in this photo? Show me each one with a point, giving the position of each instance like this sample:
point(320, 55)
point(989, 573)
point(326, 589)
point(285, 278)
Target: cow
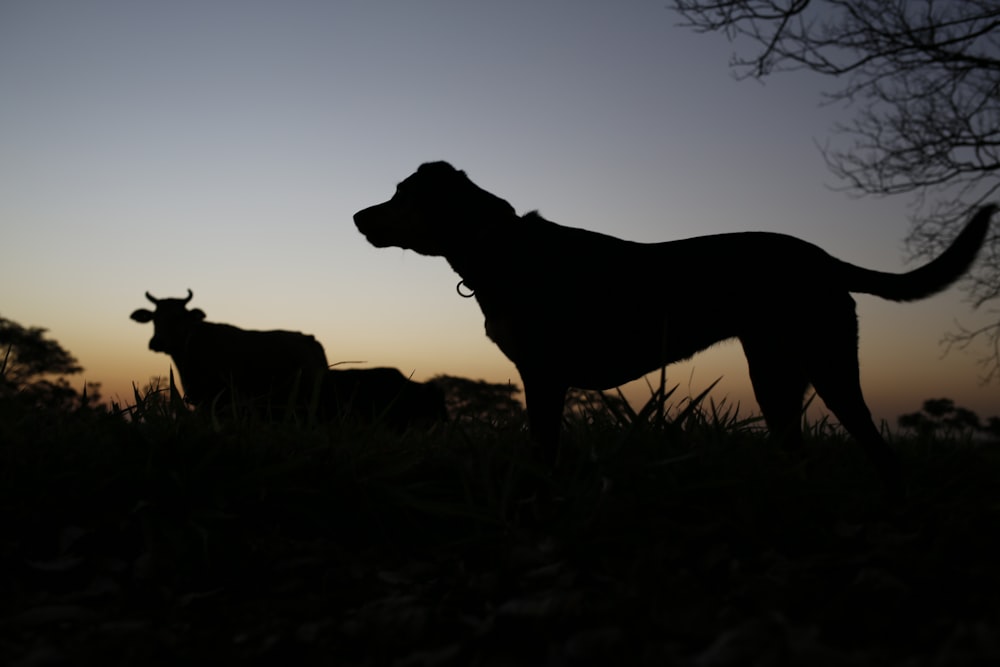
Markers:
point(381, 396)
point(220, 363)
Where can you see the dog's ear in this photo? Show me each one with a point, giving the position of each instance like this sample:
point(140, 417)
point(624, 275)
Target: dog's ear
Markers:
point(493, 204)
point(471, 194)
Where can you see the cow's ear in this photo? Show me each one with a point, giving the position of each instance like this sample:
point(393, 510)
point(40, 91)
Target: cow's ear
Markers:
point(142, 315)
point(197, 313)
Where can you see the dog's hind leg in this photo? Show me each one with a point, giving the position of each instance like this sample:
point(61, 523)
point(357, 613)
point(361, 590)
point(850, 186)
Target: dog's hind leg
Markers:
point(779, 385)
point(832, 367)
point(838, 384)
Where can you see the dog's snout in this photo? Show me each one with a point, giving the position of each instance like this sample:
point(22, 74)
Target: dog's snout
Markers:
point(370, 223)
point(361, 218)
point(364, 221)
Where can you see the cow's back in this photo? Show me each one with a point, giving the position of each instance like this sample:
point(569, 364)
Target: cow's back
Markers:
point(258, 365)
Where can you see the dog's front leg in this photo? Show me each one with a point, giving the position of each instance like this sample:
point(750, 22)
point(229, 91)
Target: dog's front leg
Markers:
point(545, 400)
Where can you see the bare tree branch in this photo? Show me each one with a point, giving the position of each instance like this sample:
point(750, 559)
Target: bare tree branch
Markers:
point(923, 79)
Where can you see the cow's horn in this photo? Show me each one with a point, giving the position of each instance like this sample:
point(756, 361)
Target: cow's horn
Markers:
point(152, 298)
point(190, 294)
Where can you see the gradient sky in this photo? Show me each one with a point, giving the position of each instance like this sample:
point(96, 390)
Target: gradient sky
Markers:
point(224, 146)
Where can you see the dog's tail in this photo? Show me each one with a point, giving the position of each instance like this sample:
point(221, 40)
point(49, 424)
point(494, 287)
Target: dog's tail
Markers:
point(932, 277)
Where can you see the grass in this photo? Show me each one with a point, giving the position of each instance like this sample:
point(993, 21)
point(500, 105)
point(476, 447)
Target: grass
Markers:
point(672, 534)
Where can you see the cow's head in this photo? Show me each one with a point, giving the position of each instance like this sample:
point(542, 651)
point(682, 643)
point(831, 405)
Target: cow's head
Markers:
point(172, 322)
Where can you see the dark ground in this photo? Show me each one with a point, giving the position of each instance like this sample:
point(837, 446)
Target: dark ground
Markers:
point(166, 541)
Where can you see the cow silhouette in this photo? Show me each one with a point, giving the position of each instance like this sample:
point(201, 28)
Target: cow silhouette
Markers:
point(265, 370)
point(383, 396)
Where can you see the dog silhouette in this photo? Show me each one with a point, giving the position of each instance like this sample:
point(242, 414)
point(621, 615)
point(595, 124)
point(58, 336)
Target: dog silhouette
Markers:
point(576, 308)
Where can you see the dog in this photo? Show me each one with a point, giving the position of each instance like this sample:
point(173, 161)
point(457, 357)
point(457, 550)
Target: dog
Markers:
point(576, 308)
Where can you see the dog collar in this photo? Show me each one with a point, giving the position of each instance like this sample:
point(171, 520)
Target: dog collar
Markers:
point(460, 285)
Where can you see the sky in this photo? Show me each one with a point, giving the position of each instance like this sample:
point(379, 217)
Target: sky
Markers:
point(225, 146)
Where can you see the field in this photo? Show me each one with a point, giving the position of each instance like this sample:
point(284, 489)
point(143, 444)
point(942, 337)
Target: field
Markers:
point(164, 538)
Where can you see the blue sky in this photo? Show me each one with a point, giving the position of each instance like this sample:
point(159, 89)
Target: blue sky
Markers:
point(224, 146)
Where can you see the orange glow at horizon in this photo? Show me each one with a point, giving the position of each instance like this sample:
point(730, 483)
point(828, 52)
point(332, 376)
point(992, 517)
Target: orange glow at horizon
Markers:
point(889, 390)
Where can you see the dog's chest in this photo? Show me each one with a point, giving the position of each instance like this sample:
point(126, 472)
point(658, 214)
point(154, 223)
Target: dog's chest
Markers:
point(502, 331)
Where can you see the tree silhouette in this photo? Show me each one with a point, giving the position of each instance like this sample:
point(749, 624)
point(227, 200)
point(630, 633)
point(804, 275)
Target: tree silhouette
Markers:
point(497, 403)
point(480, 401)
point(992, 427)
point(32, 366)
point(922, 77)
point(942, 415)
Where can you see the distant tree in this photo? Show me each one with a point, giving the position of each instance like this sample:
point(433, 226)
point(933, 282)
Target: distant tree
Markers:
point(32, 366)
point(941, 415)
point(923, 78)
point(992, 427)
point(480, 401)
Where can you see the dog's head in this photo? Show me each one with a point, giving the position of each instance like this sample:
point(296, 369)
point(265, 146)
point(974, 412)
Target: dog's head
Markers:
point(433, 210)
